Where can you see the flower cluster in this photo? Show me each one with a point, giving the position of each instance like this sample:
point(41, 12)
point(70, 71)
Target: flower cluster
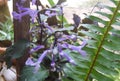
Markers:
point(24, 11)
point(55, 50)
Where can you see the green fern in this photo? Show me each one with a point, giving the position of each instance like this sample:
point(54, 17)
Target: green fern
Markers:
point(103, 49)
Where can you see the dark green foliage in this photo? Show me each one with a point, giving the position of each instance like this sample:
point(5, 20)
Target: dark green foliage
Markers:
point(16, 51)
point(28, 74)
point(60, 2)
point(103, 49)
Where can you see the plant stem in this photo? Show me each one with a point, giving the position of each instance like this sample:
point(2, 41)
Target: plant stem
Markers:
point(41, 26)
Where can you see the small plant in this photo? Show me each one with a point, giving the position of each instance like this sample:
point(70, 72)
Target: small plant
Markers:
point(6, 30)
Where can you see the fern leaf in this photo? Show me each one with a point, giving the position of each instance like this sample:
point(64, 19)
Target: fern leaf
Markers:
point(103, 48)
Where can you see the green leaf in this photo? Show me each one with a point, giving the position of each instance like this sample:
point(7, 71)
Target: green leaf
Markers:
point(93, 28)
point(67, 79)
point(51, 2)
point(91, 34)
point(99, 76)
point(103, 49)
point(16, 51)
point(3, 33)
point(104, 14)
point(6, 30)
point(60, 2)
point(28, 74)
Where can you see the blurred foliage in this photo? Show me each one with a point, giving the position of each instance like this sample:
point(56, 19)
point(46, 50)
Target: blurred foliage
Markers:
point(16, 51)
point(28, 72)
point(6, 30)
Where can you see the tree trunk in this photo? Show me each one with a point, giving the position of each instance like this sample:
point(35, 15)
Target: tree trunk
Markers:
point(21, 31)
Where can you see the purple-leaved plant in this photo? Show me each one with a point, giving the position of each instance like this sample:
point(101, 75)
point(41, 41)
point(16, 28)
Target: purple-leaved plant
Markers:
point(51, 42)
point(59, 48)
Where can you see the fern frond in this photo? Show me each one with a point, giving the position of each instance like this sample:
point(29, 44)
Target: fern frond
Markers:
point(103, 48)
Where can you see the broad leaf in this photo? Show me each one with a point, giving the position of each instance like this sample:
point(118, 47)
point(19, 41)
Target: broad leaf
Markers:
point(29, 75)
point(16, 51)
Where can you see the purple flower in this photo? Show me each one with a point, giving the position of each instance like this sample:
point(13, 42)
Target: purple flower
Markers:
point(33, 2)
point(61, 11)
point(65, 55)
point(53, 63)
point(33, 14)
point(48, 27)
point(30, 12)
point(63, 38)
point(67, 37)
point(17, 16)
point(24, 12)
point(59, 47)
point(30, 62)
point(42, 56)
point(36, 48)
point(64, 45)
point(19, 7)
point(50, 13)
point(75, 48)
point(38, 62)
point(53, 66)
point(73, 37)
point(78, 48)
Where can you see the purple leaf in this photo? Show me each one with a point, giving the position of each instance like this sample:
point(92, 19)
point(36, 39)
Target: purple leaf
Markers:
point(76, 20)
